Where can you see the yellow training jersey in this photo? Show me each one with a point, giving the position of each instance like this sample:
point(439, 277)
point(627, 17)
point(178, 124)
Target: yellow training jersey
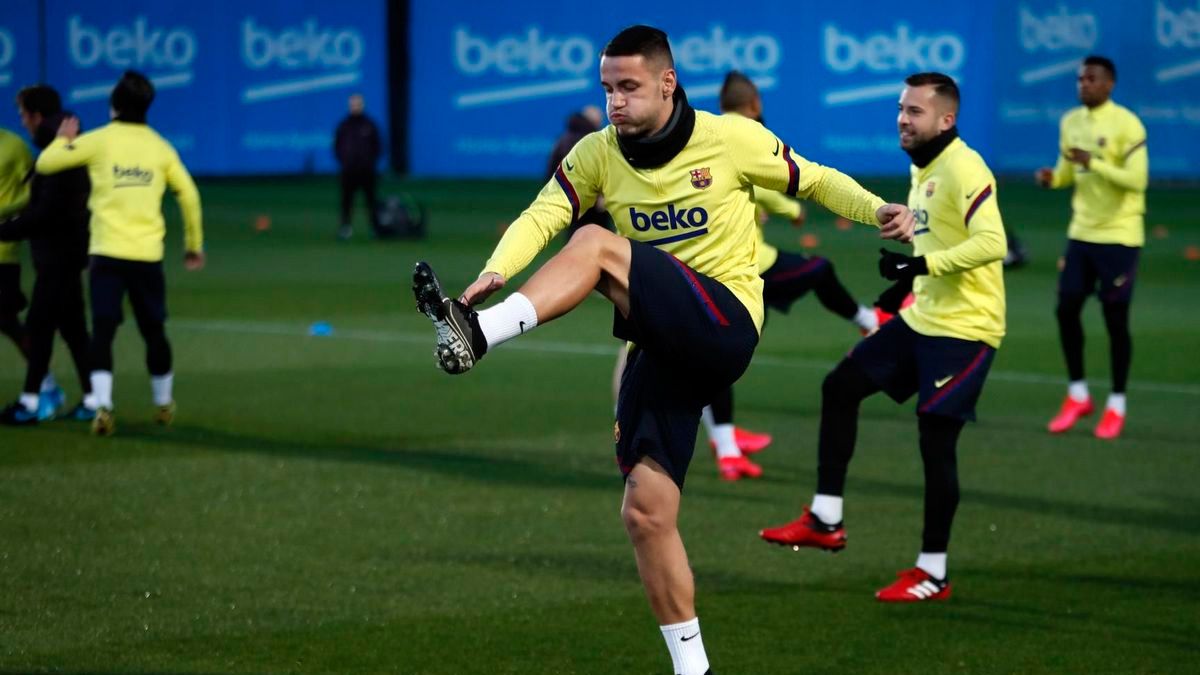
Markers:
point(1110, 195)
point(130, 165)
point(699, 206)
point(15, 162)
point(773, 203)
point(960, 233)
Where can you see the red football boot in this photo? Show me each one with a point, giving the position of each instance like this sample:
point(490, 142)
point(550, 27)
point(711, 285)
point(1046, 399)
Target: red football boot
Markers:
point(807, 530)
point(1110, 425)
point(914, 585)
point(750, 442)
point(736, 468)
point(1070, 413)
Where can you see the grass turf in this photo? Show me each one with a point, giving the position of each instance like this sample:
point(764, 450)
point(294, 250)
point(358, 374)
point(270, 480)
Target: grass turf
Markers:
point(336, 504)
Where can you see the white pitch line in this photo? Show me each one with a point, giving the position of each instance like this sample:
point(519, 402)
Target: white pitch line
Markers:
point(606, 350)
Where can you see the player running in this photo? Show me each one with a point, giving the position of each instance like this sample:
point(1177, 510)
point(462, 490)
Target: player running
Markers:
point(682, 276)
point(129, 165)
point(1102, 149)
point(939, 348)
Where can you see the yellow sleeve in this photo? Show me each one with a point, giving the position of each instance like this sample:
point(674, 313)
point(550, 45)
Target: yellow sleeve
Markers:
point(569, 192)
point(1134, 172)
point(61, 155)
point(765, 161)
point(777, 203)
point(188, 196)
point(1064, 170)
point(985, 242)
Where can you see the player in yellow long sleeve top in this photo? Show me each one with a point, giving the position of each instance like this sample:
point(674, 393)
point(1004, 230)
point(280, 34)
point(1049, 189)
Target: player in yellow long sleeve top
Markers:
point(130, 166)
point(939, 348)
point(1102, 154)
point(15, 162)
point(682, 274)
point(787, 277)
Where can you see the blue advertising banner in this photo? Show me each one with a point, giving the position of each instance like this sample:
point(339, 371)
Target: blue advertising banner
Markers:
point(242, 87)
point(491, 88)
point(19, 47)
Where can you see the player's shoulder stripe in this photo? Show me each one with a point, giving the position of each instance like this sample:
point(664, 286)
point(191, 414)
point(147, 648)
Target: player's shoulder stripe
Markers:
point(980, 198)
point(569, 190)
point(1136, 146)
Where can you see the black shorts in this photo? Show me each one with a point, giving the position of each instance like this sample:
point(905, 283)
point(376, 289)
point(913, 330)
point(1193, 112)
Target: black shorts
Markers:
point(1113, 265)
point(947, 374)
point(12, 300)
point(790, 278)
point(109, 279)
point(692, 339)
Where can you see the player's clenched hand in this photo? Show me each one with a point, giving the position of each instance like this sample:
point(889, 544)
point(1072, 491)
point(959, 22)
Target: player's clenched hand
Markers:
point(193, 261)
point(1044, 176)
point(896, 221)
point(69, 129)
point(485, 285)
point(798, 221)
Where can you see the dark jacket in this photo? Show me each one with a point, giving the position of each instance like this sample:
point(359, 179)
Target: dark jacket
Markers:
point(56, 219)
point(578, 126)
point(357, 144)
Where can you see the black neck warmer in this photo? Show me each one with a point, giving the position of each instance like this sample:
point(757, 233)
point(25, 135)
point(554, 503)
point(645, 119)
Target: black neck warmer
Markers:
point(661, 147)
point(131, 117)
point(922, 155)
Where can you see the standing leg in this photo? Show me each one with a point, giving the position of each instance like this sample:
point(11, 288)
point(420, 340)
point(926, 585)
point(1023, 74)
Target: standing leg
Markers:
point(148, 297)
point(72, 325)
point(107, 290)
point(347, 198)
point(40, 323)
point(939, 442)
point(650, 511)
point(369, 181)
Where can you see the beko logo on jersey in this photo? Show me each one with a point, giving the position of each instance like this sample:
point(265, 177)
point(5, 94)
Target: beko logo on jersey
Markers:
point(671, 219)
point(1177, 28)
point(1058, 30)
point(127, 176)
point(905, 51)
point(330, 55)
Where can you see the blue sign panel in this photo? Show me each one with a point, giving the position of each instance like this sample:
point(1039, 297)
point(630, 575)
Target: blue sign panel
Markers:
point(19, 47)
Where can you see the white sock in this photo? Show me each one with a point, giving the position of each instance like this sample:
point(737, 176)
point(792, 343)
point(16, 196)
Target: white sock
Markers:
point(710, 423)
point(1078, 391)
point(89, 401)
point(1116, 403)
point(29, 402)
point(933, 563)
point(160, 387)
point(828, 508)
point(726, 445)
point(102, 381)
point(49, 383)
point(866, 319)
point(686, 647)
point(507, 320)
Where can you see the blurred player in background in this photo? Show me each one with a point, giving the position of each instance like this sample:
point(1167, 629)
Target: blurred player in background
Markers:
point(579, 124)
point(358, 145)
point(130, 166)
point(1102, 153)
point(939, 348)
point(56, 224)
point(787, 277)
point(682, 276)
point(15, 162)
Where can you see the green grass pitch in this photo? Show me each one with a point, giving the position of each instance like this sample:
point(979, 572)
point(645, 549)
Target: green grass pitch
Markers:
point(338, 505)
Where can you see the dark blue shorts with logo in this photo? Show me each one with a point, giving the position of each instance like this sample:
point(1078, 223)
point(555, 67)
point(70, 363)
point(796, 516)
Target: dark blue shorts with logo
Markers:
point(692, 338)
point(790, 278)
point(947, 374)
point(1113, 265)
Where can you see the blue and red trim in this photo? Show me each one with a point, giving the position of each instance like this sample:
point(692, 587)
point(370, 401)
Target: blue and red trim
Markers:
point(793, 172)
point(702, 295)
point(1137, 145)
point(957, 380)
point(987, 192)
point(572, 196)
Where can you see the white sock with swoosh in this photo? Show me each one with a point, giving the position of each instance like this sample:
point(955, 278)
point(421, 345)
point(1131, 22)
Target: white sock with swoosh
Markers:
point(686, 647)
point(507, 320)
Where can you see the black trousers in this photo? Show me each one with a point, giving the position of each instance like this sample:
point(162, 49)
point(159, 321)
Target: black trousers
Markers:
point(354, 180)
point(110, 280)
point(57, 306)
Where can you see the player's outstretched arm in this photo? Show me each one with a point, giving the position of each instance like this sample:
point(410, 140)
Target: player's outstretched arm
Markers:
point(181, 183)
point(68, 150)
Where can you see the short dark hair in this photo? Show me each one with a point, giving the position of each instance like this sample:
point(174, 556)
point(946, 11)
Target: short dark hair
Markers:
point(40, 98)
point(646, 41)
point(133, 95)
point(1104, 62)
point(943, 85)
point(737, 91)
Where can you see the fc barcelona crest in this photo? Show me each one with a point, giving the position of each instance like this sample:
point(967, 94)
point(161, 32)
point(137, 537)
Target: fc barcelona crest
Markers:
point(929, 189)
point(1100, 142)
point(701, 178)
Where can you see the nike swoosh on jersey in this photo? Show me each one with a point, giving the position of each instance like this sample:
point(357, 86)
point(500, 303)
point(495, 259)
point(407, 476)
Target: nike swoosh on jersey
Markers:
point(776, 152)
point(569, 167)
point(972, 193)
point(938, 384)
